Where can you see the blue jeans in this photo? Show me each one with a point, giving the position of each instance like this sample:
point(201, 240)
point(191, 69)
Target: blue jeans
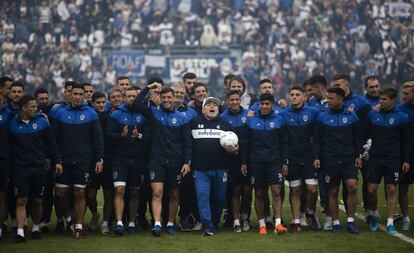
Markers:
point(210, 183)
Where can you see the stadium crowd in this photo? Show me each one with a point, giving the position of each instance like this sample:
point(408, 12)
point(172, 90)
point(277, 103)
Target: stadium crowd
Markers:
point(46, 42)
point(169, 148)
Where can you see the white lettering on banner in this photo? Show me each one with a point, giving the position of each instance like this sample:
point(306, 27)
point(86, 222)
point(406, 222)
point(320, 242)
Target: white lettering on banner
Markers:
point(207, 133)
point(125, 61)
point(200, 66)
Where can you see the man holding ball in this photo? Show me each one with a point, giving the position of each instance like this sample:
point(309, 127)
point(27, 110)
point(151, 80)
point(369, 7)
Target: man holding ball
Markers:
point(210, 162)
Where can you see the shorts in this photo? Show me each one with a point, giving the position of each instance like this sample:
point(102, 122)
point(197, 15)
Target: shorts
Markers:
point(76, 175)
point(408, 178)
point(334, 171)
point(378, 169)
point(304, 171)
point(165, 172)
point(104, 178)
point(128, 170)
point(264, 174)
point(236, 179)
point(5, 165)
point(29, 182)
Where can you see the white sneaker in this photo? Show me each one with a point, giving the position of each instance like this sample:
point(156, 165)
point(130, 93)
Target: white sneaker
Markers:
point(245, 225)
point(303, 221)
point(198, 226)
point(104, 229)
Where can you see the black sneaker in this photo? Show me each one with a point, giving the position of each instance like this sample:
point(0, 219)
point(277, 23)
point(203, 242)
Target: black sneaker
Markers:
point(185, 226)
point(70, 228)
point(60, 227)
point(19, 239)
point(35, 235)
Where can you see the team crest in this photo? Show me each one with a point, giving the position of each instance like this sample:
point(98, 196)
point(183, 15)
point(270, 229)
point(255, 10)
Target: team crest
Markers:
point(327, 179)
point(272, 124)
point(230, 121)
point(138, 119)
point(174, 121)
point(152, 175)
point(345, 120)
point(305, 118)
point(351, 107)
point(34, 126)
point(82, 117)
point(114, 174)
point(391, 121)
point(243, 119)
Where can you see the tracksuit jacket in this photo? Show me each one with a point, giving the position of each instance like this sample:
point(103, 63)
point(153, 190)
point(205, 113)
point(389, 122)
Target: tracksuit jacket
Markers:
point(5, 116)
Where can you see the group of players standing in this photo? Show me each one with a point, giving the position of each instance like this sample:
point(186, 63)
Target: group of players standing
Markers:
point(143, 146)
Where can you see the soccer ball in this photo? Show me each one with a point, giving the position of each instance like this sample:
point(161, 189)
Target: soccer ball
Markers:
point(228, 138)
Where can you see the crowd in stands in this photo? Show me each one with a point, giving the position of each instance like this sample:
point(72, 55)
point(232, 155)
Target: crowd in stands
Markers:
point(45, 42)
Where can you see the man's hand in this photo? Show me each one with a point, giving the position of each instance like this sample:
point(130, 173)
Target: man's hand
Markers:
point(233, 149)
point(124, 131)
point(59, 169)
point(155, 98)
point(154, 85)
point(405, 168)
point(317, 164)
point(191, 103)
point(135, 133)
point(282, 103)
point(358, 162)
point(98, 167)
point(377, 108)
point(47, 164)
point(243, 170)
point(185, 169)
point(285, 170)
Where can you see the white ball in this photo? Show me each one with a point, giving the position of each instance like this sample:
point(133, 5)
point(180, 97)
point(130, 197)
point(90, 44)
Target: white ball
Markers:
point(228, 138)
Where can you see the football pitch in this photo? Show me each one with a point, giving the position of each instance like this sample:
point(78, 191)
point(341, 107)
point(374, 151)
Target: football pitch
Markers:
point(227, 241)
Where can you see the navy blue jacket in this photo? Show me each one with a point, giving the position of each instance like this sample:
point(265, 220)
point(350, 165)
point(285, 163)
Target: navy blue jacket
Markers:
point(187, 111)
point(390, 134)
point(264, 139)
point(337, 135)
point(127, 146)
point(79, 134)
point(317, 104)
point(32, 142)
point(256, 106)
point(358, 104)
point(409, 110)
point(5, 116)
point(171, 138)
point(373, 101)
point(300, 127)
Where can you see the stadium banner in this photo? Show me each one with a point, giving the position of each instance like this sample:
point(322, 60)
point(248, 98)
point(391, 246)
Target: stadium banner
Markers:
point(202, 66)
point(130, 62)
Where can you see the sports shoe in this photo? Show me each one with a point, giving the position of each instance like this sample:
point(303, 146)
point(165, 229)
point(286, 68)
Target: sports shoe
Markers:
point(327, 226)
point(94, 221)
point(237, 229)
point(262, 230)
point(397, 216)
point(303, 220)
point(373, 223)
point(171, 230)
point(185, 225)
point(295, 228)
point(44, 228)
point(198, 226)
point(35, 235)
point(280, 229)
point(60, 227)
point(391, 230)
point(207, 232)
point(70, 229)
point(156, 231)
point(19, 239)
point(104, 229)
point(337, 229)
point(352, 228)
point(406, 226)
point(132, 230)
point(368, 218)
point(79, 233)
point(245, 225)
point(270, 225)
point(313, 221)
point(119, 230)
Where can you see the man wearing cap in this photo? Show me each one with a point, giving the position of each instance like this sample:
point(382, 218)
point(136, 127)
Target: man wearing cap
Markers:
point(210, 163)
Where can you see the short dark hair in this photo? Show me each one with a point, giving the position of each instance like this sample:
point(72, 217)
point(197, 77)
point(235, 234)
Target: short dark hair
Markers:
point(370, 78)
point(40, 91)
point(265, 80)
point(228, 77)
point(299, 88)
point(121, 78)
point(17, 84)
point(131, 88)
point(231, 93)
point(97, 95)
point(87, 84)
point(189, 75)
point(390, 92)
point(70, 83)
point(167, 90)
point(155, 79)
point(341, 76)
point(267, 97)
point(338, 91)
point(78, 86)
point(196, 85)
point(4, 79)
point(238, 79)
point(25, 100)
point(318, 80)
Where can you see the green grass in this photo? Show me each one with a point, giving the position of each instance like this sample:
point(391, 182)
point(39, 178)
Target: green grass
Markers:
point(225, 240)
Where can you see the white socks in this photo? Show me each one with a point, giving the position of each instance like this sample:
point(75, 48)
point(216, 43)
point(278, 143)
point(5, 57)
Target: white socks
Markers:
point(262, 223)
point(390, 222)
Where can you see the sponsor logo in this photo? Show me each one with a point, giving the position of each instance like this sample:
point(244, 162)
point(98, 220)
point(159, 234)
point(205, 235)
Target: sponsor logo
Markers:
point(351, 107)
point(152, 175)
point(396, 176)
point(174, 120)
point(272, 124)
point(34, 126)
point(224, 177)
point(178, 179)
